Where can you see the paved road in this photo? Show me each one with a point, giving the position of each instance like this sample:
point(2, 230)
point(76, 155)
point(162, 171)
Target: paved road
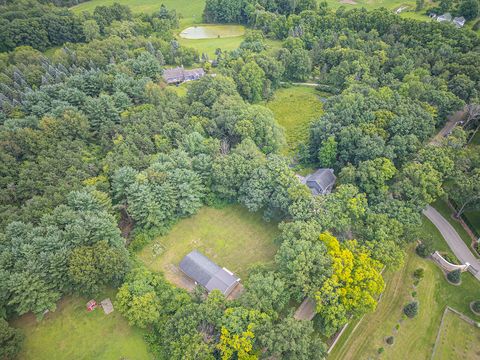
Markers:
point(454, 241)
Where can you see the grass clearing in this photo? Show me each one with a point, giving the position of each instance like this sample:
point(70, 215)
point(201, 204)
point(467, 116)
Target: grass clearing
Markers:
point(73, 333)
point(232, 236)
point(208, 46)
point(294, 108)
point(458, 339)
point(189, 11)
point(415, 337)
point(180, 89)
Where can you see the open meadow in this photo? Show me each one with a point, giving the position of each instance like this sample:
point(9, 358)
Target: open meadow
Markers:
point(294, 108)
point(73, 333)
point(189, 11)
point(232, 236)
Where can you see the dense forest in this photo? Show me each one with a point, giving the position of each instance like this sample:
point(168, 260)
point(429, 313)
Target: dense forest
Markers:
point(93, 144)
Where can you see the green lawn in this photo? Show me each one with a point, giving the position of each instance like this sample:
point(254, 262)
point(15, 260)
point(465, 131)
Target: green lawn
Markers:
point(73, 333)
point(230, 37)
point(474, 219)
point(190, 11)
point(414, 337)
point(294, 109)
point(232, 236)
point(209, 46)
point(458, 339)
point(180, 90)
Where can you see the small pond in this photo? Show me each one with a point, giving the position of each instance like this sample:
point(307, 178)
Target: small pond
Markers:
point(212, 31)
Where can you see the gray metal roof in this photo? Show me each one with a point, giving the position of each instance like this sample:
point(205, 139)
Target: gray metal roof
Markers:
point(205, 272)
point(179, 74)
point(459, 21)
point(445, 17)
point(175, 74)
point(321, 181)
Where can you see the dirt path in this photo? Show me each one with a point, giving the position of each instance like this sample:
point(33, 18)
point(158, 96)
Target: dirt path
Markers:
point(448, 127)
point(306, 310)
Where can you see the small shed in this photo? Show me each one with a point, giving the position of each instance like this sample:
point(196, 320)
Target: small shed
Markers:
point(459, 21)
point(208, 274)
point(321, 182)
point(107, 306)
point(91, 305)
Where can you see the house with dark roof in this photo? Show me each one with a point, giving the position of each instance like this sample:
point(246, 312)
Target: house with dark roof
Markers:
point(208, 274)
point(179, 75)
point(321, 182)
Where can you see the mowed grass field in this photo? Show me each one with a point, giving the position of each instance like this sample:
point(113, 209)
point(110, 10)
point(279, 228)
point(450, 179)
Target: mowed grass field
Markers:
point(232, 236)
point(208, 46)
point(458, 339)
point(190, 11)
point(73, 333)
point(295, 108)
point(416, 337)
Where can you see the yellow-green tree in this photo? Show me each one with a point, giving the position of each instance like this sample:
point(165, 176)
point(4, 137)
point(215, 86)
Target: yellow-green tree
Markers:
point(352, 288)
point(239, 344)
point(237, 333)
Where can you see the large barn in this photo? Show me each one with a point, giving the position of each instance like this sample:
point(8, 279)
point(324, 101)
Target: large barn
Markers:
point(208, 274)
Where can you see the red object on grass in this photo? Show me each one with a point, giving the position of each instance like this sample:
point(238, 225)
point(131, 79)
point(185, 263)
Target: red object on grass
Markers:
point(91, 305)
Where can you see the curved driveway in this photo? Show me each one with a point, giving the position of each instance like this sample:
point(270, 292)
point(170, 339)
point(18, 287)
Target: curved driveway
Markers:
point(454, 241)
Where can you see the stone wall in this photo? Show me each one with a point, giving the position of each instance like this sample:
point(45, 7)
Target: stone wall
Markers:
point(445, 265)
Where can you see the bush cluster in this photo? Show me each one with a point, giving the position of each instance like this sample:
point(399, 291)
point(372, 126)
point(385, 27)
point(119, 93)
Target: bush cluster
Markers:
point(423, 250)
point(411, 309)
point(419, 273)
point(476, 306)
point(454, 276)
